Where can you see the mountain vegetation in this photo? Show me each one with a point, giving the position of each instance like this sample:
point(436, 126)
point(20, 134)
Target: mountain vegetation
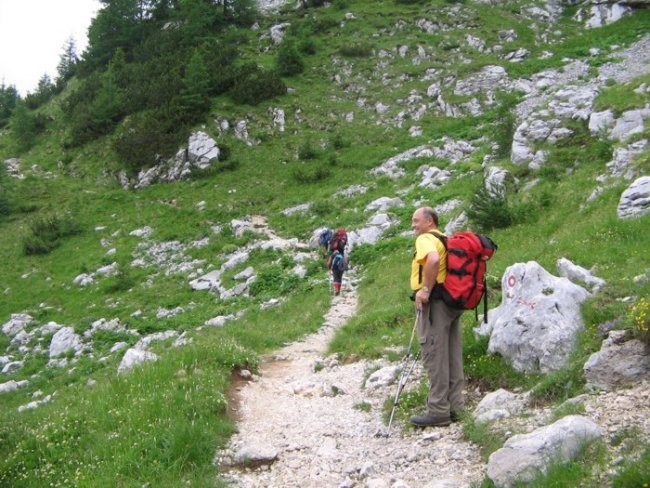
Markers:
point(156, 71)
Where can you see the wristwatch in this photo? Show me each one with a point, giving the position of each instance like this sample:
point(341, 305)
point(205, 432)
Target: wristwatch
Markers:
point(425, 288)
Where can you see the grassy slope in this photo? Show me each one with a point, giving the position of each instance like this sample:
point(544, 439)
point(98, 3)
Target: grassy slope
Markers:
point(143, 431)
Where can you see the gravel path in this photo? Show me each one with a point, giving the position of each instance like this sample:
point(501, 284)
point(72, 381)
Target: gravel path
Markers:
point(300, 423)
point(306, 422)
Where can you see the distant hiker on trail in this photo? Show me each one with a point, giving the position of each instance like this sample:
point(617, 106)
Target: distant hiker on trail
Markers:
point(337, 262)
point(438, 325)
point(324, 239)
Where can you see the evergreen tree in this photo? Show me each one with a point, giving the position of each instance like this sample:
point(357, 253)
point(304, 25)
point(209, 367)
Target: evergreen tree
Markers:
point(118, 24)
point(163, 10)
point(23, 127)
point(288, 61)
point(67, 62)
point(199, 17)
point(241, 12)
point(107, 105)
point(97, 106)
point(44, 92)
point(5, 200)
point(8, 98)
point(197, 83)
point(490, 209)
point(5, 203)
point(119, 70)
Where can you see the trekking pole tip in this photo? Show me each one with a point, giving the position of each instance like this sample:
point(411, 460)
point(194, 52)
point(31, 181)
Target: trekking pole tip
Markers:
point(381, 433)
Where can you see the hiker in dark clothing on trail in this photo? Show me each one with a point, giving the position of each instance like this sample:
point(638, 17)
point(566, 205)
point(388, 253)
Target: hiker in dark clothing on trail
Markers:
point(337, 262)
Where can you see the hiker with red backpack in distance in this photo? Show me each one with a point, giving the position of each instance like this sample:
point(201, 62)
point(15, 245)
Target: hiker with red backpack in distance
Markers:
point(447, 277)
point(337, 262)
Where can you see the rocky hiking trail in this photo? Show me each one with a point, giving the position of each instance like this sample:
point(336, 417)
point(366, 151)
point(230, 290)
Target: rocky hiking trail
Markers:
point(299, 424)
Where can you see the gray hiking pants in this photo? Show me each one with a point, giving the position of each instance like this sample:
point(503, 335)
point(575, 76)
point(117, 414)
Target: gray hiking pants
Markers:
point(440, 337)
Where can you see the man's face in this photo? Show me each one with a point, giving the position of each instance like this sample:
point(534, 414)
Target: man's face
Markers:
point(420, 223)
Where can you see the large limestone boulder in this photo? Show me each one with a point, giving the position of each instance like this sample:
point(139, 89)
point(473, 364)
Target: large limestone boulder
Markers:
point(134, 357)
point(635, 200)
point(601, 122)
point(598, 14)
point(523, 457)
point(630, 123)
point(619, 363)
point(496, 178)
point(16, 324)
point(65, 341)
point(383, 204)
point(536, 326)
point(579, 274)
point(202, 150)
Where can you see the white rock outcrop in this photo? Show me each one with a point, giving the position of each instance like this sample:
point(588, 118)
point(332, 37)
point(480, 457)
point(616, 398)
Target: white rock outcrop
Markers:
point(535, 328)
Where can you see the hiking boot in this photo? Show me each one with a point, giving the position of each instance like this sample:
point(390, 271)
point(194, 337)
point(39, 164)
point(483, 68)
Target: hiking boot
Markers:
point(430, 421)
point(455, 415)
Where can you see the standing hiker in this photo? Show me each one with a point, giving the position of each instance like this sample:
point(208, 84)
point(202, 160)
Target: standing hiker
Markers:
point(337, 262)
point(438, 325)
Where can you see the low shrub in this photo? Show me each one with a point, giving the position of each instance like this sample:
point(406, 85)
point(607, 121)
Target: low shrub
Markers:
point(338, 142)
point(323, 24)
point(307, 151)
point(490, 209)
point(307, 46)
point(5, 204)
point(254, 85)
point(311, 175)
point(45, 233)
point(122, 281)
point(288, 61)
point(356, 50)
point(273, 281)
point(5, 189)
point(143, 138)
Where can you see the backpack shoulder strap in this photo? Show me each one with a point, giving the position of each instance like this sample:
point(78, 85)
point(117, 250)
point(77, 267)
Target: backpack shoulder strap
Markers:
point(440, 236)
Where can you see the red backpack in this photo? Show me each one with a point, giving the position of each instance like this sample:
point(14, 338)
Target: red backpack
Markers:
point(465, 284)
point(339, 241)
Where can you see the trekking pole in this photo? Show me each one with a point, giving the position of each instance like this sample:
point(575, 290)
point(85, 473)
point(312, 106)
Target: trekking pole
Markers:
point(405, 373)
point(400, 387)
